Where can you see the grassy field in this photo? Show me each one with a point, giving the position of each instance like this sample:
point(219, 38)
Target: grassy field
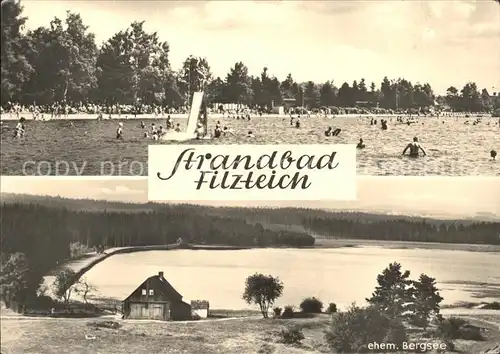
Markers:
point(236, 335)
point(90, 147)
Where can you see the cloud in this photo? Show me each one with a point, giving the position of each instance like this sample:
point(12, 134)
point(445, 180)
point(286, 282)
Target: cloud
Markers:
point(121, 190)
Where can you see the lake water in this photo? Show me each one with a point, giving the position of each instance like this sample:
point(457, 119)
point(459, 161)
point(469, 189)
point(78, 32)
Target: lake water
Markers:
point(454, 148)
point(340, 275)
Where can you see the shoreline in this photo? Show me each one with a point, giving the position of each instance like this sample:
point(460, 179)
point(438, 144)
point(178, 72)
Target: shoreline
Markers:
point(84, 116)
point(85, 262)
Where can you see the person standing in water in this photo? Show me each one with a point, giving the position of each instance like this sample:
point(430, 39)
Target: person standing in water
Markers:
point(20, 128)
point(414, 148)
point(119, 131)
point(360, 145)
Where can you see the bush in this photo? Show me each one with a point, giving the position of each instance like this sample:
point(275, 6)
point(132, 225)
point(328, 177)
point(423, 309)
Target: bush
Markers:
point(332, 308)
point(105, 324)
point(311, 305)
point(77, 249)
point(458, 328)
point(353, 330)
point(287, 312)
point(492, 306)
point(291, 335)
point(277, 311)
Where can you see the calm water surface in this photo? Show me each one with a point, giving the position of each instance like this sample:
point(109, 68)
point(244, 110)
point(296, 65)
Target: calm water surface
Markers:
point(453, 148)
point(334, 275)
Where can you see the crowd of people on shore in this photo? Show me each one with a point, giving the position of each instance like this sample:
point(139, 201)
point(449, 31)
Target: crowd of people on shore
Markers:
point(61, 109)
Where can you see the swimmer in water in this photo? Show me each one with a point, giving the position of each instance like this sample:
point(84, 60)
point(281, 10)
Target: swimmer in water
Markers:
point(297, 123)
point(493, 155)
point(161, 131)
point(384, 124)
point(250, 134)
point(332, 132)
point(146, 135)
point(414, 148)
point(226, 131)
point(360, 145)
point(170, 122)
point(178, 128)
point(119, 131)
point(143, 125)
point(199, 131)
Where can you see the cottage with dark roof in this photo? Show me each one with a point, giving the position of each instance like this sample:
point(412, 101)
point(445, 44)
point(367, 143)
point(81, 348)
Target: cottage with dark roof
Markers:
point(156, 299)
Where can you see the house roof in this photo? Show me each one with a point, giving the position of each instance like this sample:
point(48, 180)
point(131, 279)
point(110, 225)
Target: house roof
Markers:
point(161, 284)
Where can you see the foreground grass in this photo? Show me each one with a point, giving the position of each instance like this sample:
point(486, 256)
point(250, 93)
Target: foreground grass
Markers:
point(229, 336)
point(240, 335)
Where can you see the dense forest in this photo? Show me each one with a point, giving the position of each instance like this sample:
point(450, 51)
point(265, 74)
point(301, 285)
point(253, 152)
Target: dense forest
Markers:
point(61, 62)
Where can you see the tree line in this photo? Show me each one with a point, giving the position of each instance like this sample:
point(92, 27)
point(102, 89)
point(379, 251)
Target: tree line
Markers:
point(63, 63)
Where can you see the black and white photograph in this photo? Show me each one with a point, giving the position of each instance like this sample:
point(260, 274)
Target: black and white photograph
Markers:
point(90, 84)
point(90, 266)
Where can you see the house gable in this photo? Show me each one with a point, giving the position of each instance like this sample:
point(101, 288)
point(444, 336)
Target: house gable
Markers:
point(155, 288)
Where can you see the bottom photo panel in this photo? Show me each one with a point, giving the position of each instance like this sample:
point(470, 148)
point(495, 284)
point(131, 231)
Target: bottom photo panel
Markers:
point(90, 266)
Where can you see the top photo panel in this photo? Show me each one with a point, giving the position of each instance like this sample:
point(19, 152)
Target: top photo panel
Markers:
point(87, 86)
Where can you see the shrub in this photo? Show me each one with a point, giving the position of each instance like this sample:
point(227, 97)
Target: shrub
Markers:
point(458, 328)
point(77, 249)
point(277, 311)
point(105, 324)
point(492, 306)
point(266, 349)
point(311, 305)
point(287, 312)
point(332, 308)
point(353, 330)
point(291, 335)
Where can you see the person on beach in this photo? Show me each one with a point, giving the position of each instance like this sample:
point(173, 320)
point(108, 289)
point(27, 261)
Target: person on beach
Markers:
point(414, 148)
point(360, 145)
point(119, 131)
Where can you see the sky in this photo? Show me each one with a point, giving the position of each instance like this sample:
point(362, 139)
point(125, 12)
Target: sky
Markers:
point(444, 42)
point(440, 197)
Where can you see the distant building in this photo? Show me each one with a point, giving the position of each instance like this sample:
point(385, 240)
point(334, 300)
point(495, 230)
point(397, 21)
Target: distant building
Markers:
point(289, 102)
point(156, 299)
point(200, 308)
